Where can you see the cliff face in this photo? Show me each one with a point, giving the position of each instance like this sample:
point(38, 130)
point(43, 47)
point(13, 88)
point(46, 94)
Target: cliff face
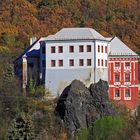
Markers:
point(79, 106)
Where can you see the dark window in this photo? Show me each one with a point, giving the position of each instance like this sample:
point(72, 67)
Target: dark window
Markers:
point(43, 50)
point(88, 62)
point(71, 62)
point(127, 64)
point(88, 48)
point(98, 62)
point(117, 78)
point(117, 93)
point(127, 93)
point(60, 49)
point(52, 49)
point(102, 49)
point(60, 63)
point(102, 62)
point(117, 64)
point(81, 48)
point(105, 49)
point(30, 65)
point(52, 63)
point(106, 63)
point(127, 77)
point(98, 48)
point(81, 62)
point(71, 49)
point(43, 63)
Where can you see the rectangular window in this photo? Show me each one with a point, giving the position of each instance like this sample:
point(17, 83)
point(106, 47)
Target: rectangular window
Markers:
point(71, 62)
point(98, 48)
point(105, 49)
point(60, 49)
point(52, 63)
point(52, 49)
point(127, 77)
point(81, 62)
point(71, 49)
point(102, 49)
point(127, 93)
point(88, 62)
point(127, 64)
point(81, 48)
point(43, 50)
point(117, 64)
point(117, 78)
point(106, 63)
point(98, 62)
point(102, 62)
point(60, 63)
point(88, 48)
point(117, 93)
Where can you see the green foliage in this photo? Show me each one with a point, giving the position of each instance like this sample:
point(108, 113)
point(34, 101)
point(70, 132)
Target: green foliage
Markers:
point(31, 86)
point(21, 128)
point(105, 128)
point(8, 39)
point(82, 135)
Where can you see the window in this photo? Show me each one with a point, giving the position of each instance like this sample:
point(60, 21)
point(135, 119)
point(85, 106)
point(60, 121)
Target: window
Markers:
point(127, 64)
point(102, 49)
point(102, 62)
point(71, 62)
point(127, 93)
point(98, 48)
point(117, 64)
point(71, 49)
point(117, 93)
point(88, 62)
point(117, 78)
point(105, 49)
point(60, 49)
point(52, 63)
point(98, 62)
point(106, 63)
point(43, 50)
point(81, 62)
point(30, 65)
point(60, 63)
point(43, 63)
point(88, 48)
point(81, 48)
point(127, 77)
point(52, 49)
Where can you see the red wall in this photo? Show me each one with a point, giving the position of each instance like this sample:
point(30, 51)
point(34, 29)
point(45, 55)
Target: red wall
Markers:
point(133, 70)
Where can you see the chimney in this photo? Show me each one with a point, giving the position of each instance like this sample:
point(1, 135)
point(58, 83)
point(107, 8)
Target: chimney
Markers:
point(32, 40)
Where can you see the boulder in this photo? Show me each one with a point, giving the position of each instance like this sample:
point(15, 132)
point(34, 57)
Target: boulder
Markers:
point(79, 106)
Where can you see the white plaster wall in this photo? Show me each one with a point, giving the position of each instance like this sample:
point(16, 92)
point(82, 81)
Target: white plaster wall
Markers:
point(66, 55)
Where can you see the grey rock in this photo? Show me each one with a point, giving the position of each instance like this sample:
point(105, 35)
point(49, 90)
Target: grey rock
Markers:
point(79, 106)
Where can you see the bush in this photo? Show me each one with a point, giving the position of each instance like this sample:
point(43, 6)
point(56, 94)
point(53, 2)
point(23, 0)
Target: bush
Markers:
point(105, 128)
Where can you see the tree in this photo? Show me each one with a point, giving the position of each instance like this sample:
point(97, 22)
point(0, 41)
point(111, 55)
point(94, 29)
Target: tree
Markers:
point(21, 128)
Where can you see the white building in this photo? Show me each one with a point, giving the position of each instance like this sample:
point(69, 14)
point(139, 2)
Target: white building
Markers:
point(73, 53)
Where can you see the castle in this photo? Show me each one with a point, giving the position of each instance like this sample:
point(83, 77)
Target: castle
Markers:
point(83, 54)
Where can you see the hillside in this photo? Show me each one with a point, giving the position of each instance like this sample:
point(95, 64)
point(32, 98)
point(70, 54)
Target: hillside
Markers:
point(22, 19)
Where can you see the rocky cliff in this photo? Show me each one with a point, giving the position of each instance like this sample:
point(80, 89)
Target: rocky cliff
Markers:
point(79, 106)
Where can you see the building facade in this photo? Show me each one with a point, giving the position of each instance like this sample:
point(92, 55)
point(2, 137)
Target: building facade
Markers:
point(83, 54)
point(123, 74)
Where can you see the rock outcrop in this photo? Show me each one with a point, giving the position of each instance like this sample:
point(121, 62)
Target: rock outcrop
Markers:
point(79, 106)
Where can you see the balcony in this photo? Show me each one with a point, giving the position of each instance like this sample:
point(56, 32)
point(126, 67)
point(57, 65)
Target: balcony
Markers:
point(117, 83)
point(127, 98)
point(117, 98)
point(127, 83)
